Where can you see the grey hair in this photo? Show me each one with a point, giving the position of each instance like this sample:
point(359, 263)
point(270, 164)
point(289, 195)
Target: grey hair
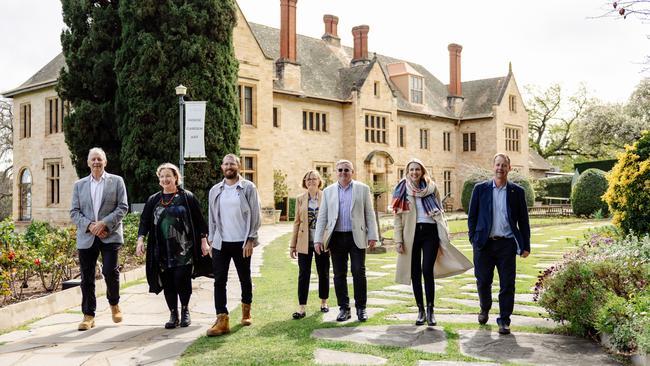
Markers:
point(343, 161)
point(175, 172)
point(235, 157)
point(97, 150)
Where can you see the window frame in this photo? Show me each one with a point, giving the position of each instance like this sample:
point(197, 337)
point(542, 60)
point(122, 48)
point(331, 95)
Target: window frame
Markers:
point(416, 89)
point(376, 128)
point(25, 120)
point(244, 115)
point(424, 139)
point(244, 171)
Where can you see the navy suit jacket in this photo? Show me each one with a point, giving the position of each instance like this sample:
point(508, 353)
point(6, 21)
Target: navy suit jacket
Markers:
point(479, 220)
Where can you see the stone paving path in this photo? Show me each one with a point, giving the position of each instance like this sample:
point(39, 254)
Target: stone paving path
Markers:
point(139, 340)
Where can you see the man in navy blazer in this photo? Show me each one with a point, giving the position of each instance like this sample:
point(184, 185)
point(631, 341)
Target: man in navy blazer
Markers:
point(499, 231)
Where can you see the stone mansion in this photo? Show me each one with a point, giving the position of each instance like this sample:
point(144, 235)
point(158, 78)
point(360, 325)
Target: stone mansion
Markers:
point(306, 103)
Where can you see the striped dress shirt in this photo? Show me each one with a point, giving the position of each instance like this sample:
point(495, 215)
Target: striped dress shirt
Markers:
point(344, 222)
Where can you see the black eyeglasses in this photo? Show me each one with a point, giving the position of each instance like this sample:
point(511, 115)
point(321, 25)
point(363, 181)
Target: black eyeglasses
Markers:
point(341, 170)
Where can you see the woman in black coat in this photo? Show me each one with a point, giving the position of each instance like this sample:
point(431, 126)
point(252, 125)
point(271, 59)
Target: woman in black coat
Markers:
point(175, 230)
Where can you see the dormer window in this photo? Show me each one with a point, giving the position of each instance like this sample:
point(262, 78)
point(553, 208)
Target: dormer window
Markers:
point(416, 89)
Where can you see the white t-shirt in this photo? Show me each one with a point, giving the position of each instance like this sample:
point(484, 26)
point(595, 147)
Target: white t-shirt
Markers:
point(423, 218)
point(232, 222)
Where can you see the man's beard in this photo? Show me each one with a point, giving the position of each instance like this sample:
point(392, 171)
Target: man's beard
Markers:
point(230, 174)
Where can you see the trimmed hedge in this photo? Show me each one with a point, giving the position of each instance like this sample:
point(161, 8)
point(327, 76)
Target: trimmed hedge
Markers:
point(483, 175)
point(558, 186)
point(586, 197)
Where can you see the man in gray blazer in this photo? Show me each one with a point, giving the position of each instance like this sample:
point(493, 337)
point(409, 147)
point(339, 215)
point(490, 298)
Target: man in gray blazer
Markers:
point(98, 205)
point(346, 226)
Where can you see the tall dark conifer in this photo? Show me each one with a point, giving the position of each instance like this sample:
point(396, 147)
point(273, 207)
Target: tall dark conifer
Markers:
point(166, 43)
point(89, 82)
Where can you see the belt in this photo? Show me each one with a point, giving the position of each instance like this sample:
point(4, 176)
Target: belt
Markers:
point(497, 237)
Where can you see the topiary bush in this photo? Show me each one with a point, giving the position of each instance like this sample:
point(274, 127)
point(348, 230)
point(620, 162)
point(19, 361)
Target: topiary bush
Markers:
point(483, 175)
point(586, 197)
point(628, 195)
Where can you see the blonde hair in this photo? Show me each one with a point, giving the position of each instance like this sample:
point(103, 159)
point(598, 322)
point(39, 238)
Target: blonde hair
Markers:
point(314, 173)
point(501, 155)
point(175, 171)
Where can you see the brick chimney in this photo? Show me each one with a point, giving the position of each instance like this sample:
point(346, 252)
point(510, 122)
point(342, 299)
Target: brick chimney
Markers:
point(288, 30)
point(331, 35)
point(455, 89)
point(360, 34)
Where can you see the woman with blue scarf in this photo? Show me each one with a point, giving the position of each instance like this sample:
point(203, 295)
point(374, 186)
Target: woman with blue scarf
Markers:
point(422, 238)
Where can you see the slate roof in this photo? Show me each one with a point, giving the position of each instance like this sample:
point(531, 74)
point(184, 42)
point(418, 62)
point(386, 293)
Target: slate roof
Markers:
point(44, 77)
point(326, 73)
point(537, 162)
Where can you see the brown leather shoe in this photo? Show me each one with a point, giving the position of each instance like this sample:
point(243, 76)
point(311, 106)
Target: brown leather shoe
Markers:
point(87, 323)
point(220, 326)
point(117, 313)
point(246, 314)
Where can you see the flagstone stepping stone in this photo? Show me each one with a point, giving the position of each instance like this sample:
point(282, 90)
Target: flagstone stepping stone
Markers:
point(401, 288)
point(330, 317)
point(380, 260)
point(390, 294)
point(422, 338)
point(330, 357)
point(552, 240)
point(313, 286)
point(437, 310)
point(455, 363)
point(60, 318)
point(529, 348)
point(495, 305)
point(376, 274)
point(389, 266)
point(539, 245)
point(521, 275)
point(469, 287)
point(544, 265)
point(442, 318)
point(384, 302)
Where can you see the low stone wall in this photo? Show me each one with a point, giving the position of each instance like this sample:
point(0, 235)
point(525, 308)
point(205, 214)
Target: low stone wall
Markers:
point(20, 313)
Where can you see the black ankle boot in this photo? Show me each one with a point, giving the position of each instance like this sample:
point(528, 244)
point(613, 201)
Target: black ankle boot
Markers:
point(421, 317)
point(185, 316)
point(173, 319)
point(431, 320)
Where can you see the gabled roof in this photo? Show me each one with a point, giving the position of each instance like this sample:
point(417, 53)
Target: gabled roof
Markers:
point(44, 77)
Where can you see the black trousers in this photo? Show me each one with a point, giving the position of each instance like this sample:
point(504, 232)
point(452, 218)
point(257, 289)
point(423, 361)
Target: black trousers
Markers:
point(341, 247)
point(110, 270)
point(221, 265)
point(501, 254)
point(304, 274)
point(177, 283)
point(423, 257)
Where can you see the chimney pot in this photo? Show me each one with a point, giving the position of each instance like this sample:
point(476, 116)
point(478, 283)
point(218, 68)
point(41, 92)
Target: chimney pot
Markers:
point(288, 30)
point(360, 34)
point(455, 89)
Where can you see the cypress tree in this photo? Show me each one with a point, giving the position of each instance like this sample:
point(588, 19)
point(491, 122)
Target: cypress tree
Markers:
point(89, 83)
point(166, 43)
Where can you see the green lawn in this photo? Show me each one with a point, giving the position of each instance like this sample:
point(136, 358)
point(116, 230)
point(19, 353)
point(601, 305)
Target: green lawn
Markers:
point(276, 339)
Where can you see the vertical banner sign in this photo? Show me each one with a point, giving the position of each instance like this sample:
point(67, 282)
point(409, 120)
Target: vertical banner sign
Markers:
point(195, 129)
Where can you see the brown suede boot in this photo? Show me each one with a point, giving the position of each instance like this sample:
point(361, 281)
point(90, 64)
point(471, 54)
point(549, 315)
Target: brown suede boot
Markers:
point(87, 323)
point(117, 313)
point(220, 326)
point(246, 314)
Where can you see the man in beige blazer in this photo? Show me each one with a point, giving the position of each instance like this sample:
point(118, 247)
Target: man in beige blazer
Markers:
point(346, 226)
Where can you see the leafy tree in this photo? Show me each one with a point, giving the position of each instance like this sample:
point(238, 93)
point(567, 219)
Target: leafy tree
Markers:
point(552, 119)
point(605, 129)
point(480, 175)
point(166, 43)
point(89, 83)
point(628, 194)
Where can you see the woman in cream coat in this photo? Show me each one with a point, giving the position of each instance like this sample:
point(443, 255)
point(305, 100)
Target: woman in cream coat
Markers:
point(302, 244)
point(422, 238)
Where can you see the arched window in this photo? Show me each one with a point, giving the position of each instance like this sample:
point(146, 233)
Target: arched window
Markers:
point(25, 209)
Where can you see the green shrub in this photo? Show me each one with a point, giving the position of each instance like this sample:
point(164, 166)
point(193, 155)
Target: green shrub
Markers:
point(586, 195)
point(292, 209)
point(628, 195)
point(557, 186)
point(130, 222)
point(36, 231)
point(483, 175)
point(572, 294)
point(627, 321)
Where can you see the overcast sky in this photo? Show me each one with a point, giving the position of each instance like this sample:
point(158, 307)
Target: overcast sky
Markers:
point(547, 41)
